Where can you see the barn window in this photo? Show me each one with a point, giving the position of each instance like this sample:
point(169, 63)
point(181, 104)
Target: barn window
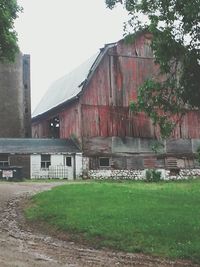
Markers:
point(104, 162)
point(54, 126)
point(45, 161)
point(68, 161)
point(4, 160)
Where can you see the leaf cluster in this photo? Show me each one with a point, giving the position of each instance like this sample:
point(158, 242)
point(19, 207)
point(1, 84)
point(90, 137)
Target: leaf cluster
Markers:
point(8, 37)
point(159, 101)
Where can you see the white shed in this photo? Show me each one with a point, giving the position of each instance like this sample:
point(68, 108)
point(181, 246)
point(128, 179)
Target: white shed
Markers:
point(65, 165)
point(42, 158)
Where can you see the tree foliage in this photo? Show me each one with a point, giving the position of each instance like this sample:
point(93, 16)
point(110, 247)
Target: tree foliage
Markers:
point(175, 27)
point(9, 10)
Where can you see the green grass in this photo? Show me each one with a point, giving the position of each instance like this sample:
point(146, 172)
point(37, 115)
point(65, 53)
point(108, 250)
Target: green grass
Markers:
point(160, 219)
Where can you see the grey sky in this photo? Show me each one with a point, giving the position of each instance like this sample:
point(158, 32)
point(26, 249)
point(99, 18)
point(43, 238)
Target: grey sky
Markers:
point(60, 34)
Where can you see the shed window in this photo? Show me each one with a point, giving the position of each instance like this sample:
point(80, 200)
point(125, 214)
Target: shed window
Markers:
point(4, 160)
point(104, 162)
point(69, 161)
point(45, 161)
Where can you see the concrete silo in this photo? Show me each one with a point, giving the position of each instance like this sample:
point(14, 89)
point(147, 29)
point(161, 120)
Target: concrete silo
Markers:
point(15, 102)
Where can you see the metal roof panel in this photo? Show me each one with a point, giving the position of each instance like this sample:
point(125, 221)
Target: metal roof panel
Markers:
point(65, 88)
point(37, 145)
point(70, 85)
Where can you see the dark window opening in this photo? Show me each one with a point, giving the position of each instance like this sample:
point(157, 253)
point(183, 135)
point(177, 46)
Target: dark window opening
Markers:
point(45, 161)
point(4, 160)
point(54, 125)
point(26, 110)
point(160, 163)
point(68, 161)
point(104, 162)
point(25, 86)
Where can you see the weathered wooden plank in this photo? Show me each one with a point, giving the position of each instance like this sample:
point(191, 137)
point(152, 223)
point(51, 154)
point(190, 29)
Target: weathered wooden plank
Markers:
point(125, 145)
point(179, 146)
point(149, 162)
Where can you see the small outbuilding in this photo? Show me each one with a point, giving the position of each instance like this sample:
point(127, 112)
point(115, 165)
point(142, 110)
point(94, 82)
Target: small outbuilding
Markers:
point(40, 158)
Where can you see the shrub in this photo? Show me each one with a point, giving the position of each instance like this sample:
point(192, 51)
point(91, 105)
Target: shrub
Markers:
point(148, 175)
point(153, 176)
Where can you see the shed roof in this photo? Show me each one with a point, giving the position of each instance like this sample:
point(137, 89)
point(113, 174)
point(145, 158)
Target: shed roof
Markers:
point(37, 145)
point(70, 85)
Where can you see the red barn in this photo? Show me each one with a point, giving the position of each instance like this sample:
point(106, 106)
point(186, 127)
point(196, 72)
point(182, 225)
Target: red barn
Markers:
point(91, 105)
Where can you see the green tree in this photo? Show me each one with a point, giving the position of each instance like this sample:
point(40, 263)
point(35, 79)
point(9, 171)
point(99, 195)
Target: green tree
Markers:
point(9, 10)
point(175, 27)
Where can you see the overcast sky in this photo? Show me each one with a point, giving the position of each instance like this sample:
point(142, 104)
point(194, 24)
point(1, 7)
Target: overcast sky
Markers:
point(61, 34)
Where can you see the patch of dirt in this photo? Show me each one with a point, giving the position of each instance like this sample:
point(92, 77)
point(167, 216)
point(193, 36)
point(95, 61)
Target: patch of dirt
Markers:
point(23, 245)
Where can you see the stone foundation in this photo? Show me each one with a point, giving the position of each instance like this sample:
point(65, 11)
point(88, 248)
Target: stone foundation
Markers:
point(140, 174)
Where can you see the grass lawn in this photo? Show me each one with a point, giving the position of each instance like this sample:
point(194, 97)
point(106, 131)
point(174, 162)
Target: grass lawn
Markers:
point(154, 218)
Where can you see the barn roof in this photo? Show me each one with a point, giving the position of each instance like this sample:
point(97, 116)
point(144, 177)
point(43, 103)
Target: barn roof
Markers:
point(69, 86)
point(37, 145)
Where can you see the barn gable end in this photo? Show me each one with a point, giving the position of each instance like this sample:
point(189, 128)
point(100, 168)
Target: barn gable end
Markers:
point(98, 117)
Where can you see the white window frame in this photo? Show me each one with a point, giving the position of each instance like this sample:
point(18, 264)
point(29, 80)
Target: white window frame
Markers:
point(47, 162)
point(4, 163)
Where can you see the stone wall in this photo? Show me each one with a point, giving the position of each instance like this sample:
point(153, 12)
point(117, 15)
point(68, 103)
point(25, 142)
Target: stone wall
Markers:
point(140, 174)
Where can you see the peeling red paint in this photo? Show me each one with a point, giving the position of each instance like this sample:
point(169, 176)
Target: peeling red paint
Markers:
point(103, 107)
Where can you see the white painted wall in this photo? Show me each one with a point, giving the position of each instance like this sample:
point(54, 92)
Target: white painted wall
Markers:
point(58, 168)
point(79, 165)
point(56, 160)
point(36, 171)
point(35, 162)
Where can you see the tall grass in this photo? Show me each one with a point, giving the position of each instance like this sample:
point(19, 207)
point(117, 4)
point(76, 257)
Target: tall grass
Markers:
point(159, 219)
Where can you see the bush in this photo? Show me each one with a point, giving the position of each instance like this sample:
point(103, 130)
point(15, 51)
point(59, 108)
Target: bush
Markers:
point(148, 175)
point(153, 176)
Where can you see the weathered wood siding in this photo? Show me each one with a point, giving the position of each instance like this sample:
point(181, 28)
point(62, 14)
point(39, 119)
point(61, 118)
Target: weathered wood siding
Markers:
point(70, 122)
point(106, 99)
point(40, 128)
point(102, 110)
point(189, 127)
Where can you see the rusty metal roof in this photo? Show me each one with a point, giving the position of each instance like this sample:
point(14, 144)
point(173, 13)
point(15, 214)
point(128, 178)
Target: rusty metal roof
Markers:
point(70, 85)
point(37, 146)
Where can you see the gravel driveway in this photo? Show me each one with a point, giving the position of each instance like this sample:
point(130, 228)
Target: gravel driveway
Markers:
point(23, 247)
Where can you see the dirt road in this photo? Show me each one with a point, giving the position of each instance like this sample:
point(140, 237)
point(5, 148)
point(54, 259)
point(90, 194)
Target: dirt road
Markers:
point(20, 246)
